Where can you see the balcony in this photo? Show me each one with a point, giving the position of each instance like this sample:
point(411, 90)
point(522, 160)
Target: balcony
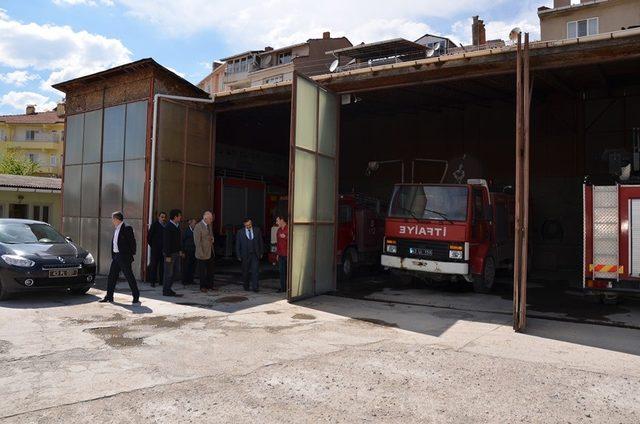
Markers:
point(40, 143)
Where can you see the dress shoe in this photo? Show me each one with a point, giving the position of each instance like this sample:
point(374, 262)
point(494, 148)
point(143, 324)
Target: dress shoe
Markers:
point(204, 290)
point(279, 291)
point(105, 300)
point(171, 294)
point(246, 288)
point(135, 302)
point(256, 290)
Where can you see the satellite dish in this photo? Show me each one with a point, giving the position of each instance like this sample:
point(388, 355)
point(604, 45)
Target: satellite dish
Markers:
point(334, 65)
point(430, 52)
point(513, 35)
point(266, 60)
point(436, 46)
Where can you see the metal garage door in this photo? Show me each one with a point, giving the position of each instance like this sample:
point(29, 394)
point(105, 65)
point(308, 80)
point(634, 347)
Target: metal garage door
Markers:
point(312, 190)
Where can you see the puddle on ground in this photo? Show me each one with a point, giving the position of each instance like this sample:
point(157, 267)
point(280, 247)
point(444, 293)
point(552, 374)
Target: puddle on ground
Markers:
point(116, 337)
point(95, 318)
point(4, 346)
point(232, 299)
point(375, 322)
point(272, 312)
point(165, 322)
point(303, 316)
point(452, 314)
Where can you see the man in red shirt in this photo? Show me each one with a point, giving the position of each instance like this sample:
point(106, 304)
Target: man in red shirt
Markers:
point(282, 250)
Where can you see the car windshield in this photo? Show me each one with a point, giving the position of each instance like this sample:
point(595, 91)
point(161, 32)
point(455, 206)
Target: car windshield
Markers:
point(443, 203)
point(21, 233)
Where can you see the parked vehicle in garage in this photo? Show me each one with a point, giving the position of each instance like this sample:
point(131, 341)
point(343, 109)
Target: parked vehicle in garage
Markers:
point(360, 233)
point(450, 232)
point(34, 256)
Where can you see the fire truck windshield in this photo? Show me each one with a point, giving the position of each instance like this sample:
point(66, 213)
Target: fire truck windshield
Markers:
point(443, 203)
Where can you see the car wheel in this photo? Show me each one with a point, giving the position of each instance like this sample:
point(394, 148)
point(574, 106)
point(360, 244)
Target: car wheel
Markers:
point(3, 293)
point(484, 283)
point(79, 292)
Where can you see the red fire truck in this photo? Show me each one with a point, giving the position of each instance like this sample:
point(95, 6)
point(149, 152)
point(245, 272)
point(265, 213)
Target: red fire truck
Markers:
point(360, 233)
point(450, 232)
point(611, 239)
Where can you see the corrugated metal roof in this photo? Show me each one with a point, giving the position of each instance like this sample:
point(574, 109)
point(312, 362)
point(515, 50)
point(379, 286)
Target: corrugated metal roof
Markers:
point(381, 49)
point(30, 182)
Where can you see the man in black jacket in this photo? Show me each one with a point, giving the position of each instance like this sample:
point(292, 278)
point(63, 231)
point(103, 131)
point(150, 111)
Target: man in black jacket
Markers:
point(154, 240)
point(172, 250)
point(123, 249)
point(189, 249)
point(249, 250)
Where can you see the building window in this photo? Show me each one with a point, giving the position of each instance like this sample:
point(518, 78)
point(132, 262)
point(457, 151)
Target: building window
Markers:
point(53, 160)
point(33, 157)
point(273, 80)
point(30, 135)
point(582, 28)
point(284, 58)
point(40, 213)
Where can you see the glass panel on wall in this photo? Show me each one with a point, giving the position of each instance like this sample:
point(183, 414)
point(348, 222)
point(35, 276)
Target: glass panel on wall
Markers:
point(71, 191)
point(71, 227)
point(306, 114)
point(133, 189)
point(73, 141)
point(170, 180)
point(327, 123)
point(106, 238)
point(92, 136)
point(90, 195)
point(113, 145)
point(304, 186)
point(302, 252)
point(137, 226)
point(325, 258)
point(326, 189)
point(111, 191)
point(198, 137)
point(171, 128)
point(199, 191)
point(136, 131)
point(89, 235)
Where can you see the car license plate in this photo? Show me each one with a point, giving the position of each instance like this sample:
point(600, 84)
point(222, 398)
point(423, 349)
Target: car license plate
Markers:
point(63, 272)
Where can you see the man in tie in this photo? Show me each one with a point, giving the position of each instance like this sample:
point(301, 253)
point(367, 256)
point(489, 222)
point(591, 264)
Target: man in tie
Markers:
point(123, 249)
point(172, 250)
point(154, 240)
point(249, 250)
point(189, 248)
point(203, 238)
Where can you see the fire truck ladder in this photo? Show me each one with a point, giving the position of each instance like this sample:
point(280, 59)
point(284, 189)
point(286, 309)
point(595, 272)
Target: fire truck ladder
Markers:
point(605, 232)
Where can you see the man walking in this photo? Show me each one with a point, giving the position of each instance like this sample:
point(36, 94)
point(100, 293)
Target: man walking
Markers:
point(155, 236)
point(189, 248)
point(249, 250)
point(282, 250)
point(123, 249)
point(172, 250)
point(205, 255)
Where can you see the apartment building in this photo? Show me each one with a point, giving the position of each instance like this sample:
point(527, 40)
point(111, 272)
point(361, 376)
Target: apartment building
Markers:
point(270, 66)
point(572, 19)
point(38, 136)
point(214, 82)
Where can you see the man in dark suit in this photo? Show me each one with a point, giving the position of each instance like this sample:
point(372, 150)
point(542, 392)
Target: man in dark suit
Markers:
point(154, 240)
point(189, 248)
point(249, 250)
point(123, 249)
point(172, 250)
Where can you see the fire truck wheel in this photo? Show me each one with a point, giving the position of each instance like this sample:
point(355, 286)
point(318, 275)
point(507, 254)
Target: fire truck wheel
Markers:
point(346, 269)
point(484, 283)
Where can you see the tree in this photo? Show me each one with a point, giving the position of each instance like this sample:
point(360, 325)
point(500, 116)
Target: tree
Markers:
point(12, 163)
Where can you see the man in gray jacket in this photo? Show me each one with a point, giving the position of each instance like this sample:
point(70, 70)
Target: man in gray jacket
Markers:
point(203, 239)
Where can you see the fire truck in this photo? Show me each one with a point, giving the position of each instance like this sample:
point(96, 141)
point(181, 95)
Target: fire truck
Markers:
point(612, 227)
point(454, 232)
point(360, 233)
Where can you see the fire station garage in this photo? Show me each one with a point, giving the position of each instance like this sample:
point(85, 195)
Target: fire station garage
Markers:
point(408, 170)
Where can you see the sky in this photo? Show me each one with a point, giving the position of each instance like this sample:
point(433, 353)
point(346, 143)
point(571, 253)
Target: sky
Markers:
point(43, 42)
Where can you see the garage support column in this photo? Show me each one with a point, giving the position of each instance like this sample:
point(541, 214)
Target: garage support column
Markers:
point(523, 104)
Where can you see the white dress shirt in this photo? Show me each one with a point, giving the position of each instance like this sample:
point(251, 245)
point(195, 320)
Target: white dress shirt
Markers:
point(249, 233)
point(115, 238)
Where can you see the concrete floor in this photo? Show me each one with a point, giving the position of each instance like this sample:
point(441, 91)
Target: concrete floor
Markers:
point(238, 357)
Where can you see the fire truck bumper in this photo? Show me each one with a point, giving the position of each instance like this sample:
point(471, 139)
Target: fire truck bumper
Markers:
point(421, 265)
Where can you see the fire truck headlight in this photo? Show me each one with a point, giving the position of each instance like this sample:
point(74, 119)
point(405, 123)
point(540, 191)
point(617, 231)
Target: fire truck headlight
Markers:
point(455, 254)
point(392, 248)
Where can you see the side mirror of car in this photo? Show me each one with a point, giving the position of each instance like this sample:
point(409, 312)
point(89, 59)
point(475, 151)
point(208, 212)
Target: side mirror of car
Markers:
point(69, 239)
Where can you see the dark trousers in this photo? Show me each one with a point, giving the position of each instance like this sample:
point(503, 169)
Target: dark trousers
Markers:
point(171, 269)
point(205, 272)
point(156, 267)
point(188, 267)
point(250, 264)
point(282, 262)
point(119, 264)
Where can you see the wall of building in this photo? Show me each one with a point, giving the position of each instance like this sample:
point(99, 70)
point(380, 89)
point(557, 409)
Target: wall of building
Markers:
point(48, 143)
point(613, 15)
point(51, 200)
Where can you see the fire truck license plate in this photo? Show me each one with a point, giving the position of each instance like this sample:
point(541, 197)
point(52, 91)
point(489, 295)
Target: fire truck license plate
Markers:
point(420, 251)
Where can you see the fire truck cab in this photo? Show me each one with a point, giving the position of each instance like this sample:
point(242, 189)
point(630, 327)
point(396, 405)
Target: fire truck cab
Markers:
point(450, 232)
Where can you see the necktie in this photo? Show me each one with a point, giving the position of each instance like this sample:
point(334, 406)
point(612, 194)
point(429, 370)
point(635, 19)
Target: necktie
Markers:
point(250, 234)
